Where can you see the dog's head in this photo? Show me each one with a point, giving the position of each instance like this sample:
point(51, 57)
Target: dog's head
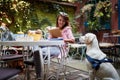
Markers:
point(87, 38)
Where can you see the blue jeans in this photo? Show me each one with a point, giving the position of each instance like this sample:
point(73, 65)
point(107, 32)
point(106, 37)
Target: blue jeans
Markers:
point(54, 51)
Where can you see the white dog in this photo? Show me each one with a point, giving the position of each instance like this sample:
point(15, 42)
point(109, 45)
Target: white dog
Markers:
point(98, 65)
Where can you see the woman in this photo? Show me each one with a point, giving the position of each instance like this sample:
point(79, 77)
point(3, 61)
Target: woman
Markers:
point(63, 24)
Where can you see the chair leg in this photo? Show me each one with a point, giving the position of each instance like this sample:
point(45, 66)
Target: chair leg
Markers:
point(28, 72)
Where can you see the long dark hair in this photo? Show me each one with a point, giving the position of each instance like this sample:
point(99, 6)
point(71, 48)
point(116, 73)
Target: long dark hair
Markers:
point(65, 17)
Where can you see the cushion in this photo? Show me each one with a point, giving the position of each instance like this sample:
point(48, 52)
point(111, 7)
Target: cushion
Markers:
point(6, 73)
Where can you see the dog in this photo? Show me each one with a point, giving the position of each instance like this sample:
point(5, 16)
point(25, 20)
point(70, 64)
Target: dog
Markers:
point(98, 64)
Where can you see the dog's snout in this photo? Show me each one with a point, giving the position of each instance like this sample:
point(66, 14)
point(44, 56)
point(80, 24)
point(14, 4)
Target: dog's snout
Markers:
point(81, 39)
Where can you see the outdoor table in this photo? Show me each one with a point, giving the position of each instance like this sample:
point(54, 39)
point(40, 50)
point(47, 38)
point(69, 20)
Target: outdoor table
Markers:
point(47, 43)
point(82, 46)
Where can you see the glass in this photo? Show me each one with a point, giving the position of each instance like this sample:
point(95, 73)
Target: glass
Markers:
point(23, 37)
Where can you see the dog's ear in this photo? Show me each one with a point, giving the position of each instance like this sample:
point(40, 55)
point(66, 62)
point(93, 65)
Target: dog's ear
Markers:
point(89, 37)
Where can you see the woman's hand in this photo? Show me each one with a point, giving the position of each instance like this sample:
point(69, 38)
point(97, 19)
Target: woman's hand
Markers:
point(38, 31)
point(69, 40)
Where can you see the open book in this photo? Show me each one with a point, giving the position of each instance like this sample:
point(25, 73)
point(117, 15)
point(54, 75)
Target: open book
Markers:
point(55, 32)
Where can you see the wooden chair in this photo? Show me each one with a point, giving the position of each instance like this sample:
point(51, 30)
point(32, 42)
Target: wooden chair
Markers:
point(6, 71)
point(39, 65)
point(108, 46)
point(29, 67)
point(107, 43)
point(42, 67)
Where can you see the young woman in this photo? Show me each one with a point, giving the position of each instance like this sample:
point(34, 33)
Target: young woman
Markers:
point(63, 24)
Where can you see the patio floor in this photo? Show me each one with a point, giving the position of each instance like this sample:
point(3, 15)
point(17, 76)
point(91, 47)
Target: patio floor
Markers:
point(75, 70)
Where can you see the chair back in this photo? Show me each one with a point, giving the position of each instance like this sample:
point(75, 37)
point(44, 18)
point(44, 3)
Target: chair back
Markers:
point(109, 38)
point(39, 65)
point(9, 73)
point(105, 37)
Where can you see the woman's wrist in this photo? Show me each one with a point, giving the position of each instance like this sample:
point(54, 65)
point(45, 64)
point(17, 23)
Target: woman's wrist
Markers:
point(69, 41)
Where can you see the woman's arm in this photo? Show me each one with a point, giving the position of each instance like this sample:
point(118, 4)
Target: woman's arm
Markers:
point(69, 40)
point(68, 35)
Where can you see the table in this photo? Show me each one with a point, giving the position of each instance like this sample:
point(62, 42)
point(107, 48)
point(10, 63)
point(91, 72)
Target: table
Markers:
point(33, 43)
point(103, 44)
point(82, 46)
point(59, 43)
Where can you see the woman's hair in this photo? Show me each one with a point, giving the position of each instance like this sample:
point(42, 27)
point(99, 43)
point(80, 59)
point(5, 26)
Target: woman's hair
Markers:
point(65, 17)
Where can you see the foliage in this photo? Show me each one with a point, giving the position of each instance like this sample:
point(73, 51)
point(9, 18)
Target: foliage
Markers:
point(103, 12)
point(103, 9)
point(96, 15)
point(22, 15)
point(93, 25)
point(29, 18)
point(87, 8)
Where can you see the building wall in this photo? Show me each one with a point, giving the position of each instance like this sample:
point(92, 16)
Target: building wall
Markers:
point(119, 14)
point(80, 21)
point(114, 16)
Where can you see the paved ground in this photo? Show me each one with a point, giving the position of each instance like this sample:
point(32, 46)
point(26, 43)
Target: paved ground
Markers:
point(71, 73)
point(75, 70)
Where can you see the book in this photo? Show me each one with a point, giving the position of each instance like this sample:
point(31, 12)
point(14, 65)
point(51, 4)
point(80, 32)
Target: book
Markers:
point(55, 32)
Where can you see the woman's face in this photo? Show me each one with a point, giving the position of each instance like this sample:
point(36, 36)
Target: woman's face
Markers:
point(61, 22)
